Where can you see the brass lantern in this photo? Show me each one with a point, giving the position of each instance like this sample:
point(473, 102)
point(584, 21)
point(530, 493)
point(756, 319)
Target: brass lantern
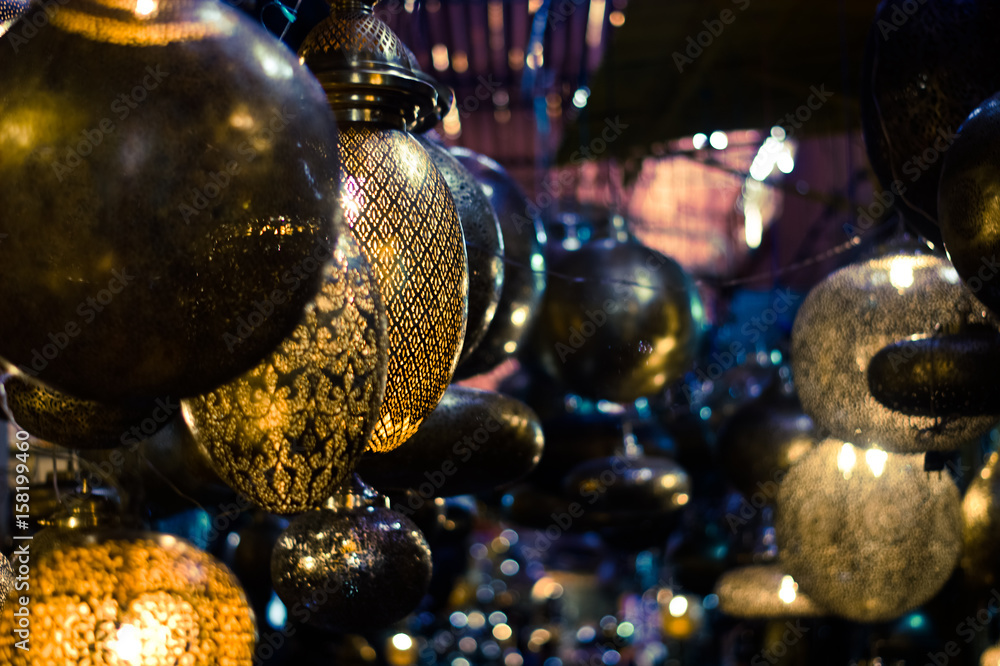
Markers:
point(102, 595)
point(398, 205)
point(9, 11)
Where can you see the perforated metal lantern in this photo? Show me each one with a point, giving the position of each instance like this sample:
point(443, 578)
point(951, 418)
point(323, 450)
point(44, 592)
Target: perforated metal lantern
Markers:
point(867, 534)
point(6, 580)
point(398, 205)
point(105, 595)
point(289, 431)
point(10, 10)
point(60, 418)
point(160, 186)
point(763, 591)
point(850, 317)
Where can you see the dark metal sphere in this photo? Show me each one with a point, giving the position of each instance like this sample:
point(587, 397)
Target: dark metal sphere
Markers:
point(162, 205)
point(970, 220)
point(62, 419)
point(474, 441)
point(618, 321)
point(524, 265)
point(483, 243)
point(927, 66)
point(352, 569)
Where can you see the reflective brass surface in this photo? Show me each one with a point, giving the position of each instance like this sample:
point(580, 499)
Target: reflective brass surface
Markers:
point(524, 265)
point(374, 563)
point(160, 196)
point(61, 419)
point(368, 73)
point(6, 580)
point(763, 592)
point(867, 534)
point(850, 317)
point(402, 214)
point(473, 442)
point(981, 526)
point(967, 201)
point(289, 431)
point(10, 10)
point(618, 321)
point(137, 598)
point(483, 243)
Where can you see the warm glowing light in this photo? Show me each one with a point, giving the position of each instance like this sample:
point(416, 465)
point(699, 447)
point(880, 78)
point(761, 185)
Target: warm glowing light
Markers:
point(753, 224)
point(439, 56)
point(580, 97)
point(502, 632)
point(901, 272)
point(678, 606)
point(699, 140)
point(460, 62)
point(718, 140)
point(682, 499)
point(534, 6)
point(452, 123)
point(402, 642)
point(145, 8)
point(617, 18)
point(846, 459)
point(515, 59)
point(876, 459)
point(519, 316)
point(595, 23)
point(787, 590)
point(273, 66)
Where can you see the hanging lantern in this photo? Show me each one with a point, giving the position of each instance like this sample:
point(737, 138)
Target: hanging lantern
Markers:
point(398, 205)
point(970, 223)
point(524, 265)
point(354, 565)
point(981, 526)
point(162, 205)
point(759, 443)
point(10, 10)
point(867, 534)
point(850, 317)
point(922, 77)
point(106, 595)
point(483, 242)
point(473, 442)
point(619, 321)
point(6, 580)
point(763, 592)
point(73, 423)
point(288, 432)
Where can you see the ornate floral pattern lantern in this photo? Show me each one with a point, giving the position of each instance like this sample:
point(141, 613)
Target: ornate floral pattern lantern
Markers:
point(398, 205)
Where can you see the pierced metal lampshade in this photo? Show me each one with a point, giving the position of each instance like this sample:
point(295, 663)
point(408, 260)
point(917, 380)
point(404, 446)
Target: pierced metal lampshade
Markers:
point(763, 592)
point(73, 423)
point(160, 191)
point(990, 656)
point(981, 526)
point(287, 433)
point(398, 205)
point(118, 597)
point(10, 10)
point(6, 580)
point(867, 534)
point(850, 317)
point(355, 564)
